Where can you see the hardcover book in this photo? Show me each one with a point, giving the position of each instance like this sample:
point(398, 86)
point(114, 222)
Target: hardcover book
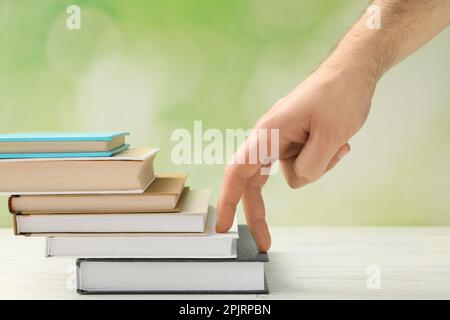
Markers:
point(245, 274)
point(162, 195)
point(208, 244)
point(130, 171)
point(191, 218)
point(61, 144)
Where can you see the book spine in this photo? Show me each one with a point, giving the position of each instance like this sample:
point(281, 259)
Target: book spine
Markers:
point(47, 247)
point(15, 226)
point(78, 276)
point(11, 206)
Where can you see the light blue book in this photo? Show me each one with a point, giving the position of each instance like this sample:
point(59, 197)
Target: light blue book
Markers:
point(61, 144)
point(61, 136)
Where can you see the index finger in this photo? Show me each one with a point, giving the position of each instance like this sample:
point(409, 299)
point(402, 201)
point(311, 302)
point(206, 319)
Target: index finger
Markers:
point(237, 172)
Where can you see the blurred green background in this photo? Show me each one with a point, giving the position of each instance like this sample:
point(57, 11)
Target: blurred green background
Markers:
point(150, 67)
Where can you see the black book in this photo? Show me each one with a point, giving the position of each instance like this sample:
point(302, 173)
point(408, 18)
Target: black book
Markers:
point(245, 274)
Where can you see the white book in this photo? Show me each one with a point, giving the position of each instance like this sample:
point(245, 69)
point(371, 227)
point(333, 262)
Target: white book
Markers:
point(206, 245)
point(191, 218)
point(244, 274)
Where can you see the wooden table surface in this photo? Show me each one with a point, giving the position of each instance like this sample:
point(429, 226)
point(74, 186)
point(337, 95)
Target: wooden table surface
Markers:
point(306, 263)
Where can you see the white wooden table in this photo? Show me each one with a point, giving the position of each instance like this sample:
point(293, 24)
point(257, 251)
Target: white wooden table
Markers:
point(306, 263)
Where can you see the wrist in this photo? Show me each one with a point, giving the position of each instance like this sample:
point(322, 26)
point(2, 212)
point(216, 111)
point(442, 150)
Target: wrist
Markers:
point(352, 71)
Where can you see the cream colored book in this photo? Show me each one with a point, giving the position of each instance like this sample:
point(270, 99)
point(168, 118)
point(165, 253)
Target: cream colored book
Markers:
point(163, 195)
point(191, 218)
point(130, 171)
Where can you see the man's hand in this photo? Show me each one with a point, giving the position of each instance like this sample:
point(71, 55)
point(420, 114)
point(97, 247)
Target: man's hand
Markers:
point(317, 119)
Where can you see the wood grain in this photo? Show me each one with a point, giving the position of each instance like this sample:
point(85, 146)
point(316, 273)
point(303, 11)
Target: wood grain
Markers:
point(306, 263)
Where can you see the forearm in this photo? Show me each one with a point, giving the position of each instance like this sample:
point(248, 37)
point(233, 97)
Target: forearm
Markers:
point(405, 26)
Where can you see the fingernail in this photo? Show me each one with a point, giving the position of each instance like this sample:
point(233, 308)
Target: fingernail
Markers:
point(342, 153)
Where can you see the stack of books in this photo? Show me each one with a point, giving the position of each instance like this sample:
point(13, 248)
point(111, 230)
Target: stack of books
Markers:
point(94, 198)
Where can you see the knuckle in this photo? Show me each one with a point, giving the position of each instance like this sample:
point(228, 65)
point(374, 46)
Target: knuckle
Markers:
point(293, 183)
point(309, 176)
point(235, 170)
point(255, 221)
point(265, 122)
point(331, 136)
point(306, 175)
point(262, 123)
point(230, 169)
